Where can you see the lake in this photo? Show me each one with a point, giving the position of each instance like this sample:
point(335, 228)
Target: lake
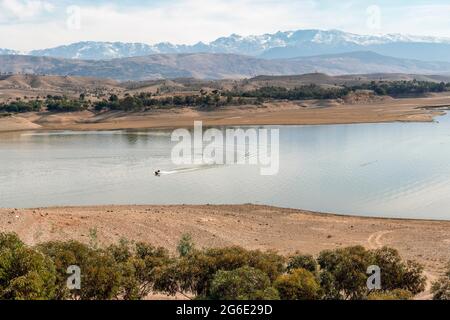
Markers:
point(389, 170)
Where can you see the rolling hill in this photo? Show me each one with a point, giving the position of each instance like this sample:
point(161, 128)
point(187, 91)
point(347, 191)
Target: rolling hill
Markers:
point(216, 66)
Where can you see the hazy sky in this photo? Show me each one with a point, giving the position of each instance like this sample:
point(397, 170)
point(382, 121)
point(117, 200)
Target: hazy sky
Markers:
point(33, 24)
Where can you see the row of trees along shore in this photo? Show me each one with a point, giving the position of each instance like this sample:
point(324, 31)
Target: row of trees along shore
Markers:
point(133, 271)
point(216, 98)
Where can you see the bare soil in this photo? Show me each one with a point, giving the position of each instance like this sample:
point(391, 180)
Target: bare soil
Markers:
point(275, 113)
point(253, 227)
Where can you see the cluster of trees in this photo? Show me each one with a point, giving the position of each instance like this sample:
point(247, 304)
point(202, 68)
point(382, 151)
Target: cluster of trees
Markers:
point(404, 88)
point(216, 98)
point(20, 106)
point(135, 270)
point(143, 101)
point(64, 104)
point(51, 103)
point(313, 91)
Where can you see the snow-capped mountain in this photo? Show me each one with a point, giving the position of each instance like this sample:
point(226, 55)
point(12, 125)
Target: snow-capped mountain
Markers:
point(289, 44)
point(8, 52)
point(90, 50)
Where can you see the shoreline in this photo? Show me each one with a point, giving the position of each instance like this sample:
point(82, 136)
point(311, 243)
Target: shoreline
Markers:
point(276, 113)
point(311, 212)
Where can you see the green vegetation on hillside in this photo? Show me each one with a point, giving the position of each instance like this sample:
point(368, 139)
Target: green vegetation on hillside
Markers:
point(19, 106)
point(144, 101)
point(63, 104)
point(211, 100)
point(135, 270)
point(313, 91)
point(51, 103)
point(404, 88)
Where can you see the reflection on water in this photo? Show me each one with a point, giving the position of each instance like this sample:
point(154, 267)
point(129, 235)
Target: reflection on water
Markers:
point(391, 170)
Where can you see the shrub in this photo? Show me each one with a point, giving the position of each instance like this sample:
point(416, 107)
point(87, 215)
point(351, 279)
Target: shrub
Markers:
point(242, 284)
point(134, 270)
point(24, 273)
point(185, 246)
point(100, 275)
point(397, 294)
point(396, 274)
point(441, 288)
point(300, 284)
point(194, 272)
point(346, 272)
point(300, 261)
point(140, 266)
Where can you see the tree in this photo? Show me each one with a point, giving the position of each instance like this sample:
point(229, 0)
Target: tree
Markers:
point(100, 275)
point(245, 283)
point(345, 272)
point(131, 104)
point(396, 274)
point(194, 272)
point(300, 261)
point(25, 274)
point(300, 284)
point(139, 266)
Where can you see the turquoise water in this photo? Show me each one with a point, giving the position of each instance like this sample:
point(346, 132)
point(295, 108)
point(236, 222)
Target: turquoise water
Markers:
point(388, 170)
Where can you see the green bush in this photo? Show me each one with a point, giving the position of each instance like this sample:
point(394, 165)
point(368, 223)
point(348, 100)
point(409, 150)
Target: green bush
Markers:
point(300, 261)
point(441, 288)
point(24, 273)
point(343, 272)
point(242, 284)
point(185, 246)
point(396, 274)
point(300, 284)
point(346, 270)
point(134, 270)
point(100, 275)
point(194, 272)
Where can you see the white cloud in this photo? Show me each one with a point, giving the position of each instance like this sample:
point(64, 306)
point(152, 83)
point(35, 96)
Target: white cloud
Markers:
point(189, 21)
point(23, 9)
point(192, 20)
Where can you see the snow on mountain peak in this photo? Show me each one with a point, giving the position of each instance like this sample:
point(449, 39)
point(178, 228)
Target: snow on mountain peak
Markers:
point(292, 43)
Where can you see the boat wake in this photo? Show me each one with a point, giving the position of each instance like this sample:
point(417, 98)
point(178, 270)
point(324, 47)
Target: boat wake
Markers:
point(189, 169)
point(202, 167)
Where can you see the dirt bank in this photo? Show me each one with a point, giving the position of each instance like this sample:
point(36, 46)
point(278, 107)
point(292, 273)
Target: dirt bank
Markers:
point(250, 226)
point(277, 113)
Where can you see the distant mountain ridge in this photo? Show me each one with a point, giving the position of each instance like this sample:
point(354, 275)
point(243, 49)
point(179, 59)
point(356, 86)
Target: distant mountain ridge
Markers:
point(8, 51)
point(278, 45)
point(216, 66)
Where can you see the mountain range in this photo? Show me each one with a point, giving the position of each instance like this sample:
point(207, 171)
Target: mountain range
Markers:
point(289, 44)
point(283, 53)
point(216, 66)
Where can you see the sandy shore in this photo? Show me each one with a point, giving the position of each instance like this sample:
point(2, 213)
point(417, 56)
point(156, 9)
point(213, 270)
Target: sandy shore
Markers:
point(277, 113)
point(250, 226)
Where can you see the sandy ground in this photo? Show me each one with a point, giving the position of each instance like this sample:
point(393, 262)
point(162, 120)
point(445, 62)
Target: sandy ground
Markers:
point(277, 113)
point(250, 226)
point(17, 123)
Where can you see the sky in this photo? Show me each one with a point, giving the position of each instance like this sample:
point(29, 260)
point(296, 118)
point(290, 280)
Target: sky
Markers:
point(37, 24)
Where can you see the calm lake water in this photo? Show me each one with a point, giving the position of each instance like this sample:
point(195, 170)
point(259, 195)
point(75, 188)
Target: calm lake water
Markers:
point(388, 170)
